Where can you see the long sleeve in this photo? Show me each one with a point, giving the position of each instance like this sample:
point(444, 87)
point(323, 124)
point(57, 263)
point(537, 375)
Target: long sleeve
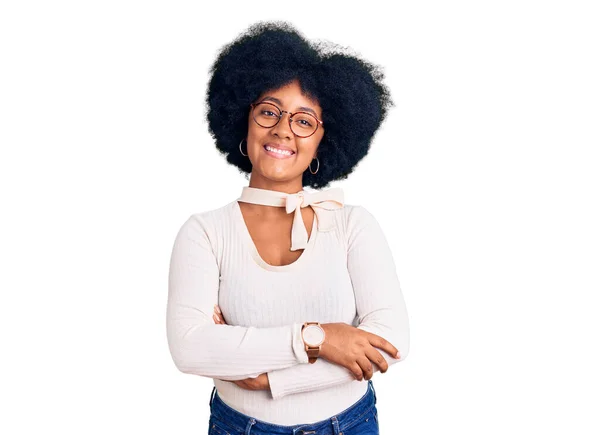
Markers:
point(379, 304)
point(198, 345)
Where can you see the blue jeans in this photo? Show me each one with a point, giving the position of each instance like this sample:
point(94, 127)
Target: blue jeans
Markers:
point(358, 419)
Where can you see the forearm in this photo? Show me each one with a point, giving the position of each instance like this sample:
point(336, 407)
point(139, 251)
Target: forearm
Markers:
point(307, 377)
point(324, 374)
point(232, 352)
point(390, 323)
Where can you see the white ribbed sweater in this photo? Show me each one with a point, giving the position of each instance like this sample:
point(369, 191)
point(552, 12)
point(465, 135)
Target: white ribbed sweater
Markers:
point(345, 274)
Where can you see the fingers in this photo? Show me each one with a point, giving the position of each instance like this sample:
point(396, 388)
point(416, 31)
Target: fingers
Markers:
point(383, 344)
point(356, 371)
point(372, 356)
point(376, 358)
point(366, 367)
point(218, 316)
point(335, 356)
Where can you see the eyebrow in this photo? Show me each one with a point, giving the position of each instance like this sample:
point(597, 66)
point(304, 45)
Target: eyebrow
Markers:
point(303, 109)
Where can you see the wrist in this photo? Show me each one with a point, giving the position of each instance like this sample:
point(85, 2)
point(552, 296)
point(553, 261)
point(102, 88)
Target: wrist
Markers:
point(298, 344)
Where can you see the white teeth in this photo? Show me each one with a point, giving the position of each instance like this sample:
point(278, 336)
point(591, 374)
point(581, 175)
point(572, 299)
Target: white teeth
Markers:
point(275, 150)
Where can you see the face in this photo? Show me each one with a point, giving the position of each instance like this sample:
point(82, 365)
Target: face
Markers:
point(274, 166)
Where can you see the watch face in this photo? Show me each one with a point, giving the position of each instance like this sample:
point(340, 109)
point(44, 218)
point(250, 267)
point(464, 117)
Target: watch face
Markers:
point(313, 335)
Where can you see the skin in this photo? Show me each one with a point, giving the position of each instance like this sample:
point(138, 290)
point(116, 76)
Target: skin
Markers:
point(284, 175)
point(270, 227)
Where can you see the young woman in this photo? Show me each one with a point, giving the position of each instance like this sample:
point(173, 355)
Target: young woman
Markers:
point(287, 297)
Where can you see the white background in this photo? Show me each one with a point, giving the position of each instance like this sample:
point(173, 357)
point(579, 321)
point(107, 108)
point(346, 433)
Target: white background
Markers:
point(484, 178)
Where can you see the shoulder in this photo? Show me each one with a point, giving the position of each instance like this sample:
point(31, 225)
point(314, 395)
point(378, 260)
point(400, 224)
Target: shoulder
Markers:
point(361, 228)
point(353, 221)
point(216, 215)
point(357, 217)
point(206, 224)
point(357, 213)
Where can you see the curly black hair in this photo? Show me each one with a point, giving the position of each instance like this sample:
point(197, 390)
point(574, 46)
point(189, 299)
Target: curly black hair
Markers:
point(350, 91)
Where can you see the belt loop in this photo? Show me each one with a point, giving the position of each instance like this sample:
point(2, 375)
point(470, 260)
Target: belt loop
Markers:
point(212, 397)
point(336, 426)
point(251, 423)
point(373, 388)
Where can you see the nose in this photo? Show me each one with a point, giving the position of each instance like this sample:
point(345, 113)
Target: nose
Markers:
point(283, 127)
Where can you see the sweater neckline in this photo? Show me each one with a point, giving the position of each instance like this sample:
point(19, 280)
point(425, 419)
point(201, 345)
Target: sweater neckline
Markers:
point(249, 243)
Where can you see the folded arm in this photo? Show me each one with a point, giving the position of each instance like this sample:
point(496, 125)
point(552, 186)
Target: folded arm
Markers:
point(198, 345)
point(380, 308)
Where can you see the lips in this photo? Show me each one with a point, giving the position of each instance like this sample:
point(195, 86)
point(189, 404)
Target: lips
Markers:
point(278, 147)
point(278, 151)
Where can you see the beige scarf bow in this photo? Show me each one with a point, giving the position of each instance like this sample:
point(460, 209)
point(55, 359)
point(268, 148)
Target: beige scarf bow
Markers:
point(321, 201)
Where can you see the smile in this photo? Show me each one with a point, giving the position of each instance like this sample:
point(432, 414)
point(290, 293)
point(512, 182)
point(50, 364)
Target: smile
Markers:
point(277, 152)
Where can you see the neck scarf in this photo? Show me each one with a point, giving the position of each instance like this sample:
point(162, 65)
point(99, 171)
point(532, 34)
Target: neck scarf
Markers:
point(322, 203)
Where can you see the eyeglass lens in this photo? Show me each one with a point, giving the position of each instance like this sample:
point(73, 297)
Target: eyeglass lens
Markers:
point(268, 115)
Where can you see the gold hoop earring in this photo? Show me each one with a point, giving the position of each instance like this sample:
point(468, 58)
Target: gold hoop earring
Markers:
point(310, 169)
point(245, 155)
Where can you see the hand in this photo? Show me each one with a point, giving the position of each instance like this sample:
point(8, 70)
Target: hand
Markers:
point(348, 347)
point(259, 383)
point(218, 316)
point(354, 349)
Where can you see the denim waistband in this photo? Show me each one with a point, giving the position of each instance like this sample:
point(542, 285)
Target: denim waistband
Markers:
point(247, 425)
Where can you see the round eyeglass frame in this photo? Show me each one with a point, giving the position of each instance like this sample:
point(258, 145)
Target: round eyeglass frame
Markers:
point(281, 112)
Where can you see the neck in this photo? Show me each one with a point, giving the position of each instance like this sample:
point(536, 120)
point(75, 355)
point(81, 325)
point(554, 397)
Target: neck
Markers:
point(288, 186)
point(267, 212)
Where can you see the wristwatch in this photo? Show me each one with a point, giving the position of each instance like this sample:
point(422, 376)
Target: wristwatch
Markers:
point(314, 336)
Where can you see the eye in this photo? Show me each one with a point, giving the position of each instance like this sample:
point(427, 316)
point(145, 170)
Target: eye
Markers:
point(305, 121)
point(268, 113)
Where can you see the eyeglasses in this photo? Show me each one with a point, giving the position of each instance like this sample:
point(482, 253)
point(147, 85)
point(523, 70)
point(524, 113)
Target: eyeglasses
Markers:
point(267, 115)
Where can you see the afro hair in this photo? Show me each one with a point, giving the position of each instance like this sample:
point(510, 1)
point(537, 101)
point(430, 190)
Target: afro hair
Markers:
point(350, 90)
